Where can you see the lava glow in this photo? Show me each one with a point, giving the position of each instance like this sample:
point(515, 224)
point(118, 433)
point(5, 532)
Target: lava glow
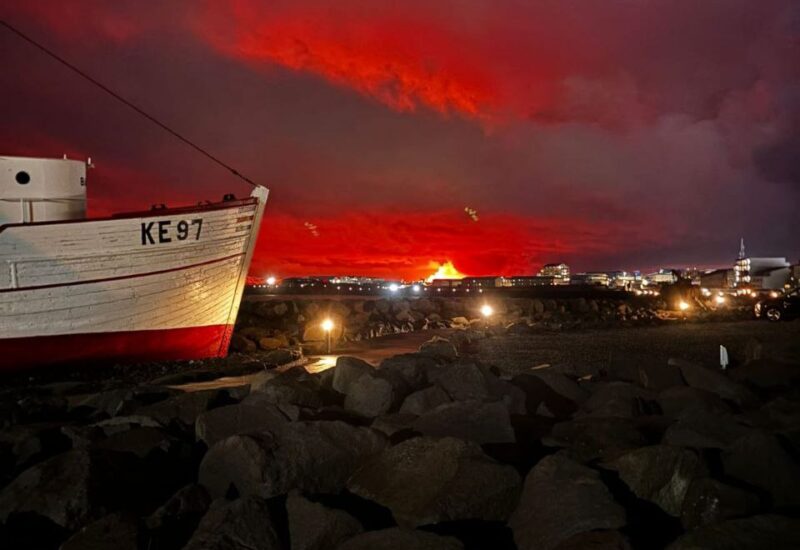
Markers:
point(445, 271)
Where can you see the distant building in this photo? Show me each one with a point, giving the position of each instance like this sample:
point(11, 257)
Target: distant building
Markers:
point(718, 279)
point(521, 281)
point(483, 282)
point(776, 278)
point(624, 279)
point(446, 283)
point(559, 272)
point(662, 277)
point(593, 279)
point(301, 282)
point(747, 268)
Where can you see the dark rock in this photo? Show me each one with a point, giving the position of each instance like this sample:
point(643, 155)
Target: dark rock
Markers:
point(173, 522)
point(466, 380)
point(293, 387)
point(660, 474)
point(415, 370)
point(710, 501)
point(71, 488)
point(596, 540)
point(677, 401)
point(423, 401)
point(372, 396)
point(115, 531)
point(753, 533)
point(144, 442)
point(562, 385)
point(704, 430)
point(768, 374)
point(476, 421)
point(657, 376)
point(241, 344)
point(347, 371)
point(715, 381)
point(439, 348)
point(425, 480)
point(217, 424)
point(538, 392)
point(390, 424)
point(618, 399)
point(184, 407)
point(592, 438)
point(400, 539)
point(760, 460)
point(280, 357)
point(313, 526)
point(244, 524)
point(560, 499)
point(315, 457)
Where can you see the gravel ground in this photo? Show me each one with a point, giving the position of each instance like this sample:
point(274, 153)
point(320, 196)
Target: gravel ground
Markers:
point(584, 352)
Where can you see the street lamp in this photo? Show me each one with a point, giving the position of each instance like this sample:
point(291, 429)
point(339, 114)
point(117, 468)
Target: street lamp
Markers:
point(683, 306)
point(327, 326)
point(271, 281)
point(487, 310)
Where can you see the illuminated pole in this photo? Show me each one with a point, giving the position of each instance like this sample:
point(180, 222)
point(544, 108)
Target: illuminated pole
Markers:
point(327, 326)
point(487, 311)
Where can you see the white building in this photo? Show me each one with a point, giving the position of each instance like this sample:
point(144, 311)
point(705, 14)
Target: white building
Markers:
point(559, 272)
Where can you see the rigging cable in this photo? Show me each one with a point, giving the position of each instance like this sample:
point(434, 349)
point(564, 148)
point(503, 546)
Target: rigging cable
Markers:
point(133, 106)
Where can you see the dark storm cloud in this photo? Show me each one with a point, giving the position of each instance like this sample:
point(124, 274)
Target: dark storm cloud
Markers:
point(625, 134)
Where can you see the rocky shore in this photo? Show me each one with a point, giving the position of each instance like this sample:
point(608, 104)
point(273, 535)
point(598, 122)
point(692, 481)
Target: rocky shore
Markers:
point(273, 323)
point(433, 449)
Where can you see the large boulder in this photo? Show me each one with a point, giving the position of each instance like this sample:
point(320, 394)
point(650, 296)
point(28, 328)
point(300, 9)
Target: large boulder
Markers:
point(72, 488)
point(704, 430)
point(467, 380)
point(753, 533)
point(373, 395)
point(439, 348)
point(243, 524)
point(414, 369)
point(293, 387)
point(661, 474)
point(715, 381)
point(658, 376)
point(172, 523)
point(596, 438)
point(397, 538)
point(316, 457)
point(118, 531)
point(562, 385)
point(347, 371)
point(620, 399)
point(680, 400)
point(539, 396)
point(184, 408)
point(560, 499)
point(423, 401)
point(313, 526)
point(217, 424)
point(760, 460)
point(426, 480)
point(710, 501)
point(476, 421)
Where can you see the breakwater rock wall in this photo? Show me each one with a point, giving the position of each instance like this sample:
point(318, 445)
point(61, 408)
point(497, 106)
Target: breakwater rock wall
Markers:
point(275, 322)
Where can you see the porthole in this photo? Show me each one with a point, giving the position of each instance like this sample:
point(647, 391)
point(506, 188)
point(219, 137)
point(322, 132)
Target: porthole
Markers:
point(23, 177)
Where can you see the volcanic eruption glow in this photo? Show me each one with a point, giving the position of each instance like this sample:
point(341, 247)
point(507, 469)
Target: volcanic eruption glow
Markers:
point(445, 271)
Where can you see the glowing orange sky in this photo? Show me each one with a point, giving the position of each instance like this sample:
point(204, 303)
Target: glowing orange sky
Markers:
point(591, 133)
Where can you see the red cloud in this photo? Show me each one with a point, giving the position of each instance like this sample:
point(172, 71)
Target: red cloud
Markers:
point(396, 244)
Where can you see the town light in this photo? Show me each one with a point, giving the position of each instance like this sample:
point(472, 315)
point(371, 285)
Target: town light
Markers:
point(719, 299)
point(683, 306)
point(327, 326)
point(487, 310)
point(393, 287)
point(271, 281)
point(415, 288)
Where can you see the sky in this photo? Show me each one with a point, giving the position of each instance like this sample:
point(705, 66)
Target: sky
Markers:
point(627, 134)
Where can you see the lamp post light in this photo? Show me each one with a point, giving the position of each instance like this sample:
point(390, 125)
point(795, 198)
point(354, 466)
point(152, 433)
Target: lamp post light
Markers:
point(327, 326)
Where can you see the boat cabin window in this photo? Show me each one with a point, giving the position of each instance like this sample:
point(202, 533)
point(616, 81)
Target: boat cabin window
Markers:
point(23, 177)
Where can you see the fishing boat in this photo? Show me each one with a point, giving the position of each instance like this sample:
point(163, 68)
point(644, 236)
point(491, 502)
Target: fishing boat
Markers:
point(155, 285)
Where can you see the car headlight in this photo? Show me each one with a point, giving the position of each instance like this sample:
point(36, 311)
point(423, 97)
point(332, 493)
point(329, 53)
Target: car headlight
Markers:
point(758, 308)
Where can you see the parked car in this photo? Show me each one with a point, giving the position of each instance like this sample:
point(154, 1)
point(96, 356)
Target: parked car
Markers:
point(785, 306)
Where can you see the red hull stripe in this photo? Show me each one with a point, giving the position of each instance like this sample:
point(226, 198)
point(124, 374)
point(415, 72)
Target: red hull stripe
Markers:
point(140, 345)
point(122, 277)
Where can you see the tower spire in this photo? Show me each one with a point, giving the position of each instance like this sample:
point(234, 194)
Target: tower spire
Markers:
point(741, 249)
